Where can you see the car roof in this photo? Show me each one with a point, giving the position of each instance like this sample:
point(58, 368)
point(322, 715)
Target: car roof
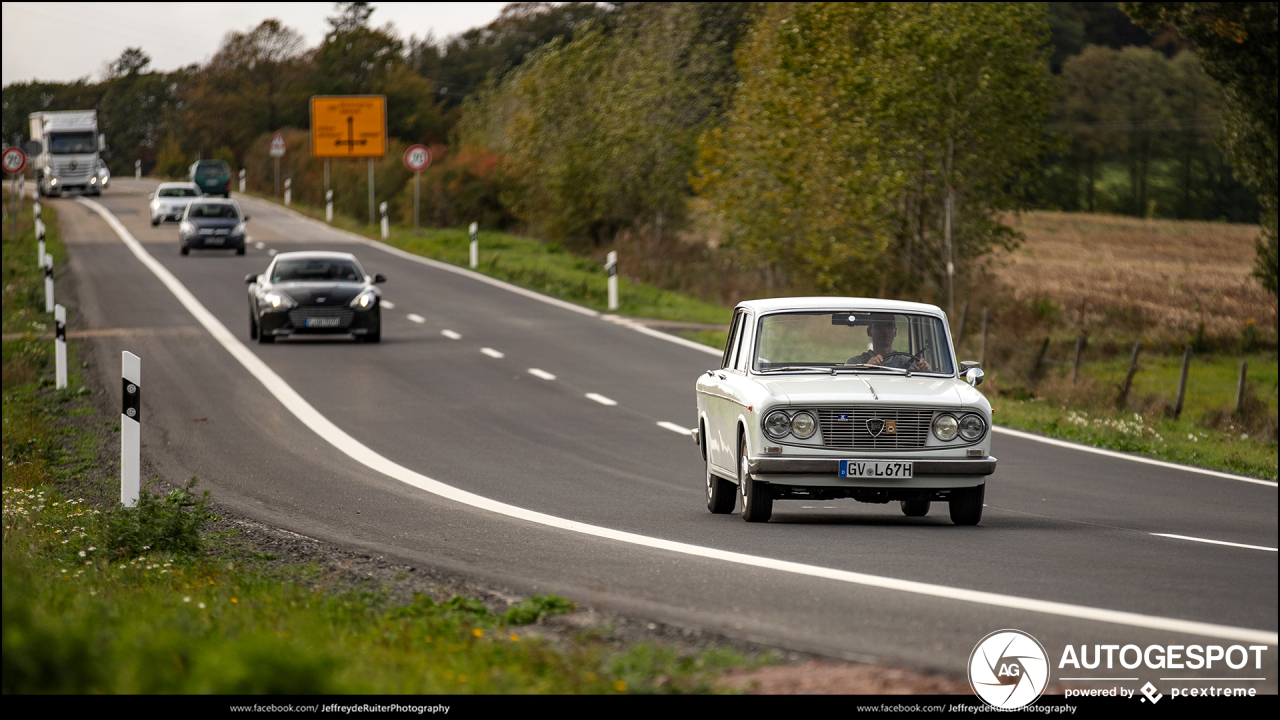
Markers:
point(177, 184)
point(771, 305)
point(316, 254)
point(216, 200)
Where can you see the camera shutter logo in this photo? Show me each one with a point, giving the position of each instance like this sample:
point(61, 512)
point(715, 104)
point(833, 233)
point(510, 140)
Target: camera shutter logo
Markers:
point(1008, 669)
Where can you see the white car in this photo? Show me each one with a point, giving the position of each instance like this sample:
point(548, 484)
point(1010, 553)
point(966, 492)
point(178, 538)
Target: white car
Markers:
point(170, 200)
point(823, 398)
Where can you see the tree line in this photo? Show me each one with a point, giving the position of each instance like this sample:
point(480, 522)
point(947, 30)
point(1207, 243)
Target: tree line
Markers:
point(826, 140)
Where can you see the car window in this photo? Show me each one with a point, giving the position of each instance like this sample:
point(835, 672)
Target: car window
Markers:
point(316, 270)
point(202, 210)
point(825, 339)
point(177, 192)
point(731, 345)
point(743, 354)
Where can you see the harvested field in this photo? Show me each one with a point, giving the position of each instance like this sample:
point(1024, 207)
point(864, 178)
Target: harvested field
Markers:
point(1158, 277)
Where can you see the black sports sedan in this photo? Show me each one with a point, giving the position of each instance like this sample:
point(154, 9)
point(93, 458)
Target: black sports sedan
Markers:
point(212, 224)
point(305, 293)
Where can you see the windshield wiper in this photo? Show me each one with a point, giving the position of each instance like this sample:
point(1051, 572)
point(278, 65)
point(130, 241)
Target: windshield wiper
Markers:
point(864, 366)
point(799, 367)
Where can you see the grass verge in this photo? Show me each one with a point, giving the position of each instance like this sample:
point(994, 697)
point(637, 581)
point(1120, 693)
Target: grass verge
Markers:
point(99, 599)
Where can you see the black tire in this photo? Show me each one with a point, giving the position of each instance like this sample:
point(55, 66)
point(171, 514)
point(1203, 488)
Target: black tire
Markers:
point(154, 222)
point(184, 249)
point(240, 250)
point(373, 337)
point(253, 326)
point(265, 338)
point(721, 495)
point(757, 501)
point(966, 505)
point(915, 508)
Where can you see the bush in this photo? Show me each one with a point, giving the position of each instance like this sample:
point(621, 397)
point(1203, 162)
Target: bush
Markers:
point(168, 524)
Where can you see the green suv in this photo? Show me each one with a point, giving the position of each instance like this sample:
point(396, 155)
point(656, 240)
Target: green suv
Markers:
point(212, 176)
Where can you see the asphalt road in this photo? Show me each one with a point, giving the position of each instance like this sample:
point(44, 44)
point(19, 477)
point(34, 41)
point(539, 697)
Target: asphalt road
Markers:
point(1062, 525)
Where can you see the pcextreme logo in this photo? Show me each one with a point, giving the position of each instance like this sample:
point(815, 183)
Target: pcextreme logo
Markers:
point(1008, 669)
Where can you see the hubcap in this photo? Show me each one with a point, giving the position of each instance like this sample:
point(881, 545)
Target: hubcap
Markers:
point(742, 482)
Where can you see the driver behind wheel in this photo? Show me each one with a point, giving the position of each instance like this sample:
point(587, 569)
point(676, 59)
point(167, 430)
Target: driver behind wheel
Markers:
point(882, 353)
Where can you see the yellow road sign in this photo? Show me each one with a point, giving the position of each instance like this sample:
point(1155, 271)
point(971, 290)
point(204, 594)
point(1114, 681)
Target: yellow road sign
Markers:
point(348, 126)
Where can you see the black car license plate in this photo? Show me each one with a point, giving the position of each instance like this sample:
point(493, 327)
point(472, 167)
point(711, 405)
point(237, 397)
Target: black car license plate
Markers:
point(321, 322)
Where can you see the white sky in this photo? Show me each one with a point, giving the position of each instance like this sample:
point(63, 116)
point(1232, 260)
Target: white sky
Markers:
point(64, 41)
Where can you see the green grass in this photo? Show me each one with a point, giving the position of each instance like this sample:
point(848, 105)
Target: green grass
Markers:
point(539, 266)
point(98, 599)
point(1211, 379)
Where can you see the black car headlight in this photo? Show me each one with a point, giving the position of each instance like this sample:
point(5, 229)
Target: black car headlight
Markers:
point(945, 427)
point(972, 427)
point(777, 424)
point(365, 300)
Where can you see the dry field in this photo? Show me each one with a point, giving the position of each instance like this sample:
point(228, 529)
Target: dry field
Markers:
point(1163, 276)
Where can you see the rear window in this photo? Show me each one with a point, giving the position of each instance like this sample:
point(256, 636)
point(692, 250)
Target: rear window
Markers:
point(212, 169)
point(316, 270)
point(178, 192)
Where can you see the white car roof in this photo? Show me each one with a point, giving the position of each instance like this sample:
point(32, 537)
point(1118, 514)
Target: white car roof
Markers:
point(771, 305)
point(177, 184)
point(316, 253)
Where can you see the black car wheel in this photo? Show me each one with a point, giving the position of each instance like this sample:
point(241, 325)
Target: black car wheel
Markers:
point(240, 250)
point(966, 505)
point(184, 250)
point(253, 326)
point(720, 492)
point(265, 338)
point(915, 508)
point(154, 222)
point(757, 501)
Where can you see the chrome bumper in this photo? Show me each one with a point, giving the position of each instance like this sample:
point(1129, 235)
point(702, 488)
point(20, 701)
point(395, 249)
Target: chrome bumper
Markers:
point(831, 466)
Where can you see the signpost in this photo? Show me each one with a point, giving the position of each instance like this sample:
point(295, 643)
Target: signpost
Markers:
point(417, 158)
point(277, 152)
point(350, 126)
point(14, 160)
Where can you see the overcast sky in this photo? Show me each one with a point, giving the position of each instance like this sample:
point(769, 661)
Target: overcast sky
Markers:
point(65, 41)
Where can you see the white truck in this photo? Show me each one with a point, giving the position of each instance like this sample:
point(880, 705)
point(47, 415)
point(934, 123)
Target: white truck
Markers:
point(69, 147)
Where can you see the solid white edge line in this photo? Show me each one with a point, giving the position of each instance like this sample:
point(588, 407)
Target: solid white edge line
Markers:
point(496, 354)
point(362, 454)
point(674, 427)
point(541, 373)
point(601, 399)
point(414, 317)
point(1127, 456)
point(1215, 542)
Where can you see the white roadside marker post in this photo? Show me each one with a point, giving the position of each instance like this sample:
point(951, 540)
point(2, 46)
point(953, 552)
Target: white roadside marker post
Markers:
point(475, 245)
point(288, 191)
point(328, 205)
point(241, 179)
point(39, 235)
point(60, 344)
point(611, 265)
point(386, 228)
point(130, 428)
point(137, 169)
point(48, 283)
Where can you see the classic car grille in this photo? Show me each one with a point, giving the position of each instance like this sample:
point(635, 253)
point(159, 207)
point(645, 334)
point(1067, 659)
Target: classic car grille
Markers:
point(852, 432)
point(298, 316)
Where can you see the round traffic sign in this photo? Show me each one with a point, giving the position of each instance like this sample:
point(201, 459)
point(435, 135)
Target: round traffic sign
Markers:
point(14, 160)
point(417, 158)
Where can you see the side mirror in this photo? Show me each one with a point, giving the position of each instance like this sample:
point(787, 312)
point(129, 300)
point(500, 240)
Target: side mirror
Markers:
point(102, 142)
point(379, 278)
point(246, 218)
point(974, 376)
point(250, 279)
point(967, 365)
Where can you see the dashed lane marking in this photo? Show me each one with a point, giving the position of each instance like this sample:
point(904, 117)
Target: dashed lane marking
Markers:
point(541, 373)
point(1215, 542)
point(601, 399)
point(492, 353)
point(675, 428)
point(451, 334)
point(414, 317)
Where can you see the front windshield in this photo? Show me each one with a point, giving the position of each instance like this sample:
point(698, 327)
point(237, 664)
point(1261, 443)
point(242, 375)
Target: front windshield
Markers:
point(70, 143)
point(316, 270)
point(202, 210)
point(178, 192)
point(853, 337)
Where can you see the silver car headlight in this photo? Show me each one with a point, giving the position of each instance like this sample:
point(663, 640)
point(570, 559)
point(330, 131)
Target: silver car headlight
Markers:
point(364, 300)
point(972, 427)
point(187, 227)
point(945, 427)
point(803, 425)
point(777, 424)
point(238, 229)
point(276, 300)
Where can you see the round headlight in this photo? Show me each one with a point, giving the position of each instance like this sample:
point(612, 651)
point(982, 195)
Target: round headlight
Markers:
point(945, 427)
point(803, 425)
point(777, 424)
point(972, 427)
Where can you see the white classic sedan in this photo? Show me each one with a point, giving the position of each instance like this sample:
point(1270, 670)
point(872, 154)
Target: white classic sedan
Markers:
point(822, 398)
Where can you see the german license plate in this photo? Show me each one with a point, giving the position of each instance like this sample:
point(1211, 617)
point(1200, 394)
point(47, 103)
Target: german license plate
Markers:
point(321, 322)
point(211, 240)
point(875, 469)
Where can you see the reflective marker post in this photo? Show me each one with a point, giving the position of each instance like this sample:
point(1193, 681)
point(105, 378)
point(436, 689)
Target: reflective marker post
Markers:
point(241, 179)
point(328, 206)
point(611, 265)
point(386, 229)
point(137, 169)
point(288, 191)
point(48, 283)
point(60, 344)
point(130, 428)
point(475, 245)
point(39, 235)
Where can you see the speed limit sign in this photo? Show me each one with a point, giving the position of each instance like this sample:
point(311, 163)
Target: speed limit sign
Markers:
point(417, 158)
point(14, 160)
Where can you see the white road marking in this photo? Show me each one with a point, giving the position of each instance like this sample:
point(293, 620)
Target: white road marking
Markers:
point(414, 317)
point(361, 453)
point(388, 304)
point(541, 373)
point(1127, 456)
point(675, 428)
point(492, 353)
point(259, 245)
point(601, 399)
point(272, 251)
point(1215, 542)
point(451, 334)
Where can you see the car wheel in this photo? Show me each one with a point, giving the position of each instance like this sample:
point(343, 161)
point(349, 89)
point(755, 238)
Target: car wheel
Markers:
point(253, 326)
point(915, 508)
point(184, 249)
point(966, 505)
point(720, 492)
point(154, 222)
point(240, 250)
point(265, 338)
point(757, 502)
